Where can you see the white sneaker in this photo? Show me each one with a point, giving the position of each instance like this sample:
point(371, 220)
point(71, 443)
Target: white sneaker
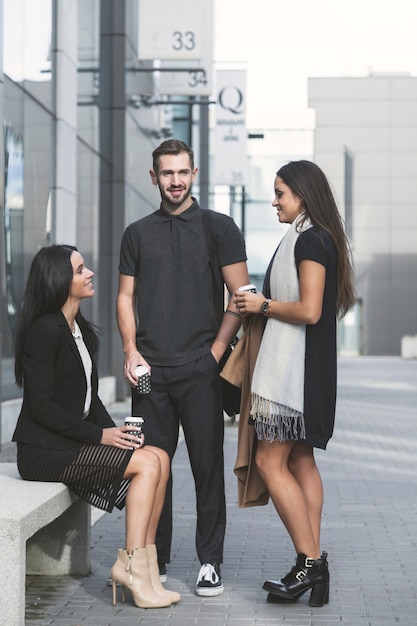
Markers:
point(163, 573)
point(209, 581)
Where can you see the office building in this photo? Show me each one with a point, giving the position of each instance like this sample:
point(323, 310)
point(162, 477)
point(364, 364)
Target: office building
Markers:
point(366, 141)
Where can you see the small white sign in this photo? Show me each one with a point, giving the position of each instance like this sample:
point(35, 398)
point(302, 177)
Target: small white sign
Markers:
point(170, 30)
point(230, 135)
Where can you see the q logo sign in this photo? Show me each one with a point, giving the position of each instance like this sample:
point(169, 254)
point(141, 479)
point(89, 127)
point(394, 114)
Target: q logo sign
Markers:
point(231, 99)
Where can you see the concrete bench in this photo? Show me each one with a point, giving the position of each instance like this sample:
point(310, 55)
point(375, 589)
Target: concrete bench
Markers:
point(44, 529)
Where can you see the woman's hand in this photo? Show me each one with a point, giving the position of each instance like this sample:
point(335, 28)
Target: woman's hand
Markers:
point(120, 437)
point(248, 303)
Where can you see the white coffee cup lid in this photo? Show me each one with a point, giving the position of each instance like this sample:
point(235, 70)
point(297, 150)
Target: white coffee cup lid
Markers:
point(134, 420)
point(141, 370)
point(247, 287)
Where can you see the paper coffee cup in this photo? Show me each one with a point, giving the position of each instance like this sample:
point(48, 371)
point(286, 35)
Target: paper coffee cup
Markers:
point(144, 380)
point(250, 287)
point(134, 421)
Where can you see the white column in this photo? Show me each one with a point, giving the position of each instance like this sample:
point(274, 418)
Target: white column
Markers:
point(65, 100)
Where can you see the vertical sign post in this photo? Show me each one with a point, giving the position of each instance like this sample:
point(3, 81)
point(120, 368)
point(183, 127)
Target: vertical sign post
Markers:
point(179, 36)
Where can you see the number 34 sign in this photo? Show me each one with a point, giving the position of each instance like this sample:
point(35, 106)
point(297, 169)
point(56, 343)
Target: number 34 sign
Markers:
point(171, 30)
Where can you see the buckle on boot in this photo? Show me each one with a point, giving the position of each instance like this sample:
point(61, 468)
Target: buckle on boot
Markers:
point(301, 575)
point(309, 562)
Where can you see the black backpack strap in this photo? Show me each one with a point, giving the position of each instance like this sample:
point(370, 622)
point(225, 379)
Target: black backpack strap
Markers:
point(210, 237)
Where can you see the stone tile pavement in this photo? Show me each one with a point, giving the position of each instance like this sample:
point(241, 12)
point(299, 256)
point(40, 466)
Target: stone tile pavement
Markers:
point(369, 528)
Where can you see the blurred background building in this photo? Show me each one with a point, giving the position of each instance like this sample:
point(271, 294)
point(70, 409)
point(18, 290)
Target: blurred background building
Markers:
point(366, 141)
point(83, 108)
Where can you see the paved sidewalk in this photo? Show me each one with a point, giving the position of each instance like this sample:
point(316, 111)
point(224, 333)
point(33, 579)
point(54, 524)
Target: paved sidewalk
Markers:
point(369, 528)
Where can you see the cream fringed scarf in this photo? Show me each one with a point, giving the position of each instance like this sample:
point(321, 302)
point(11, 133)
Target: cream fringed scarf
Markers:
point(277, 395)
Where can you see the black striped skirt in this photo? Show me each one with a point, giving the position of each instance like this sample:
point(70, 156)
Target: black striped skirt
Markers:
point(93, 472)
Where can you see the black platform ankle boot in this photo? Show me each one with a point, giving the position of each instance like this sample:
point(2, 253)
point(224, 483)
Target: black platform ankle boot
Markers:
point(306, 574)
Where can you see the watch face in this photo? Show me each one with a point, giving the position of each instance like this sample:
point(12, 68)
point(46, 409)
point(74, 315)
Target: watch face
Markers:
point(264, 307)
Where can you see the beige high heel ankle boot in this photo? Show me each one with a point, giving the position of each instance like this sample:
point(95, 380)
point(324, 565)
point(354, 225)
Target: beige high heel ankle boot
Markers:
point(132, 571)
point(155, 579)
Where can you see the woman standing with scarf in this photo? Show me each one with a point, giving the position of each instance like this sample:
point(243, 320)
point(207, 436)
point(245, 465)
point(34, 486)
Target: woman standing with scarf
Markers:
point(308, 284)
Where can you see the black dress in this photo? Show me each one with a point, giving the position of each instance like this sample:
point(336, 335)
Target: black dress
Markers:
point(320, 375)
point(320, 363)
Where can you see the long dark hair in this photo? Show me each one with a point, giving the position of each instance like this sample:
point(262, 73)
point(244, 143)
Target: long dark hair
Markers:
point(47, 289)
point(308, 182)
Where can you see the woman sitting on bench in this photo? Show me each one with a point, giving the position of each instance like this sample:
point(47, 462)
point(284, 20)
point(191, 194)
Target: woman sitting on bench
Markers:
point(65, 434)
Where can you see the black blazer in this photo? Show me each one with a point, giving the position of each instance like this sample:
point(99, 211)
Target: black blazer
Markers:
point(54, 388)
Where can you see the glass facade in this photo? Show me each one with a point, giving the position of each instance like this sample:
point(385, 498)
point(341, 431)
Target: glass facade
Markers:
point(27, 169)
point(76, 154)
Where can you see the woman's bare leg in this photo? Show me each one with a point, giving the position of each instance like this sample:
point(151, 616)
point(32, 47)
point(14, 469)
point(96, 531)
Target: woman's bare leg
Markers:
point(146, 489)
point(160, 493)
point(272, 460)
point(303, 466)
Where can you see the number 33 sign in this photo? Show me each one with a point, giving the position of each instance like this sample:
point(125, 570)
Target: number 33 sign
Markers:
point(170, 30)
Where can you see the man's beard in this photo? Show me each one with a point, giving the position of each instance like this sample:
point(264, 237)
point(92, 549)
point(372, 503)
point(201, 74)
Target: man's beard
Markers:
point(174, 202)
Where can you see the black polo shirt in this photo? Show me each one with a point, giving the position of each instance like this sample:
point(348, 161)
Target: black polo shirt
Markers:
point(169, 257)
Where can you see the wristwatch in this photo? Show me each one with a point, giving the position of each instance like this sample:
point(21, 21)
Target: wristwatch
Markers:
point(266, 307)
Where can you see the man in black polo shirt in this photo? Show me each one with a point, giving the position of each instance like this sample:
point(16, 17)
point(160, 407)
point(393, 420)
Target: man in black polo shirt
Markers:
point(173, 267)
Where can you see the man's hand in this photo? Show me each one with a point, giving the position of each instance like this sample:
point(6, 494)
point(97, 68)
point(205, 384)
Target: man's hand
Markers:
point(132, 360)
